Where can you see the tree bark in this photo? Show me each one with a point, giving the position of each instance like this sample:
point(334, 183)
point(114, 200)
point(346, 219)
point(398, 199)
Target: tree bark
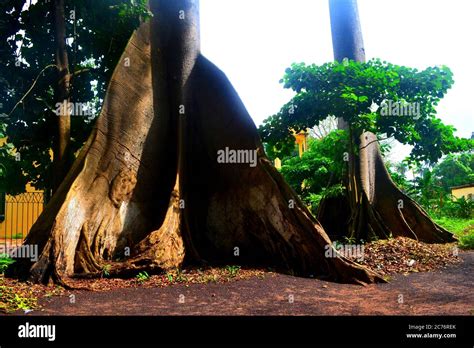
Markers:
point(375, 208)
point(62, 134)
point(148, 180)
point(346, 33)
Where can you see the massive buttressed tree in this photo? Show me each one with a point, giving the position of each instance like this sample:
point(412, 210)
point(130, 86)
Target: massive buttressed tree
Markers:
point(364, 96)
point(148, 191)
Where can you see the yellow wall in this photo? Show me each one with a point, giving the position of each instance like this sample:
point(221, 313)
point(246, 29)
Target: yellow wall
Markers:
point(462, 192)
point(21, 211)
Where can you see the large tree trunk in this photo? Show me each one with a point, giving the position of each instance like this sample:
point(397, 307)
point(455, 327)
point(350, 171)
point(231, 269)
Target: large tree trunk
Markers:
point(148, 178)
point(346, 33)
point(373, 207)
point(62, 135)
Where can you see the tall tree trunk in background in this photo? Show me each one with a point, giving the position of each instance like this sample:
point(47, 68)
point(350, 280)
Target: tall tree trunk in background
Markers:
point(62, 134)
point(374, 207)
point(148, 192)
point(346, 32)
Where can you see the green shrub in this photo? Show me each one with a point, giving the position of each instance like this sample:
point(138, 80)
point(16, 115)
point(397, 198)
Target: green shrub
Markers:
point(467, 241)
point(457, 208)
point(463, 208)
point(5, 261)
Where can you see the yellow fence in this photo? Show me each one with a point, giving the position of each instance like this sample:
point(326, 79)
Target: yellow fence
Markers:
point(17, 215)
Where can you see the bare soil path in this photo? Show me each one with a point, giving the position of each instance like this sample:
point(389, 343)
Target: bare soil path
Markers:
point(448, 291)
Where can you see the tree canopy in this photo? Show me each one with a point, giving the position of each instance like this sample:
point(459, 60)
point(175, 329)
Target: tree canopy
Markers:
point(359, 93)
point(97, 33)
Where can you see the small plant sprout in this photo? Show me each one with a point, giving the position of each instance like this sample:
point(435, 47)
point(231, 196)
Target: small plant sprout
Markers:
point(233, 270)
point(105, 270)
point(143, 277)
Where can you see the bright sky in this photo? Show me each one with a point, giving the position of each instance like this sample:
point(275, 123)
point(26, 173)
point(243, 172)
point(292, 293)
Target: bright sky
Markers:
point(254, 41)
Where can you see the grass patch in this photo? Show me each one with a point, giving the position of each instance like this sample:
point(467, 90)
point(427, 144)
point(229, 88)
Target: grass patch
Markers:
point(456, 225)
point(462, 228)
point(467, 241)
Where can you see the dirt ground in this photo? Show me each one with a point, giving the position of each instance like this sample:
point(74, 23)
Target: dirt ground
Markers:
point(448, 291)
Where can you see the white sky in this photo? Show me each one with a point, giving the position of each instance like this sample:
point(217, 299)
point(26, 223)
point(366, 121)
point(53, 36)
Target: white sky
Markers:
point(254, 41)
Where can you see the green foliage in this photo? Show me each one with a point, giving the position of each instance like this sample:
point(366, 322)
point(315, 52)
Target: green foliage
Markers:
point(176, 275)
point(455, 170)
point(11, 301)
point(452, 208)
point(398, 172)
point(232, 270)
point(96, 40)
point(456, 225)
point(320, 170)
point(5, 261)
point(467, 242)
point(143, 277)
point(432, 186)
point(350, 240)
point(132, 11)
point(461, 227)
point(399, 179)
point(462, 208)
point(349, 90)
point(106, 270)
point(427, 190)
